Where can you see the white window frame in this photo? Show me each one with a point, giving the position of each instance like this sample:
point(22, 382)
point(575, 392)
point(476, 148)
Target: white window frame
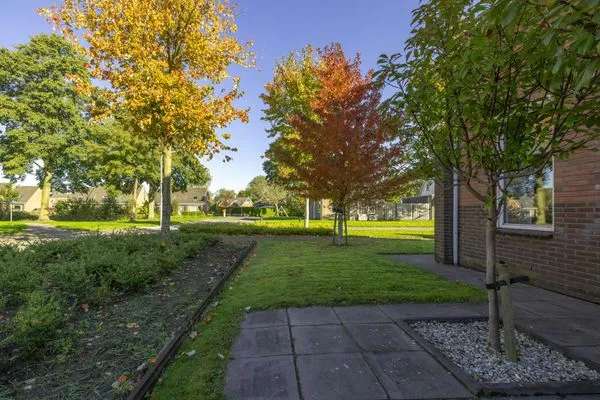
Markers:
point(530, 227)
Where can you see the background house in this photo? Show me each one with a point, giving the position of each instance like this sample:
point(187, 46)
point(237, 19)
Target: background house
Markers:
point(98, 194)
point(194, 199)
point(30, 198)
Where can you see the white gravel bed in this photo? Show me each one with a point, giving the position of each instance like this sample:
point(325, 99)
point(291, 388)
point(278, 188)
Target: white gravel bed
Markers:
point(465, 344)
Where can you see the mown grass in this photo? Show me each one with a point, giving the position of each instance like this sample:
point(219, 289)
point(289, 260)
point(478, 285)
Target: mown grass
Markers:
point(301, 272)
point(120, 224)
point(11, 227)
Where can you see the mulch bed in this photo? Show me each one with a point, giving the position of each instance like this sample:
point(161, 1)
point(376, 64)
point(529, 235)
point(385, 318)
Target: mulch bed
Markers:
point(115, 343)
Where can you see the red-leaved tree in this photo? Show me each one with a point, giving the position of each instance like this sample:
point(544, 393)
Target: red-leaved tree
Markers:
point(350, 152)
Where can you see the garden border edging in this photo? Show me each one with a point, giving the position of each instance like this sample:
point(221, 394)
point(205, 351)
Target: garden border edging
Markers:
point(166, 354)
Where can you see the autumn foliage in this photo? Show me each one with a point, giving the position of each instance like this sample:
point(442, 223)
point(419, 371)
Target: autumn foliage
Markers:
point(167, 63)
point(344, 150)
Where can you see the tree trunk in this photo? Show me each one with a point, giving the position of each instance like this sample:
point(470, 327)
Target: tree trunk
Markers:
point(134, 194)
point(46, 188)
point(490, 276)
point(306, 212)
point(511, 345)
point(151, 206)
point(166, 191)
point(339, 239)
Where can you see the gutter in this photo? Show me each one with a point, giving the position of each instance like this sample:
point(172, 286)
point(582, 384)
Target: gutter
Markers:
point(455, 199)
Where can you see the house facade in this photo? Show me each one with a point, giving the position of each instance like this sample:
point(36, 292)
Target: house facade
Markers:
point(549, 229)
point(30, 198)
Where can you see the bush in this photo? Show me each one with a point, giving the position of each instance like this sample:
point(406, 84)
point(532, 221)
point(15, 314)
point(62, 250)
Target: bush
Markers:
point(62, 274)
point(86, 209)
point(37, 322)
point(252, 229)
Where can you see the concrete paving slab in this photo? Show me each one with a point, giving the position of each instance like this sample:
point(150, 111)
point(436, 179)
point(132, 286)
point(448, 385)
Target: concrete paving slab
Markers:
point(261, 319)
point(272, 378)
point(591, 353)
point(400, 312)
point(338, 377)
point(415, 375)
point(257, 342)
point(542, 309)
point(322, 339)
point(360, 314)
point(382, 338)
point(564, 331)
point(312, 316)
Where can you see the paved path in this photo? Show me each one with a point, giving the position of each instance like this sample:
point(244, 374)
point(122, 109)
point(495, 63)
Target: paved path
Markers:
point(565, 321)
point(362, 352)
point(35, 232)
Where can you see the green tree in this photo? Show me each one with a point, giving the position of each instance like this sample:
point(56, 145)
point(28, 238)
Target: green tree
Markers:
point(289, 94)
point(223, 199)
point(167, 63)
point(8, 195)
point(120, 159)
point(261, 190)
point(43, 87)
point(481, 98)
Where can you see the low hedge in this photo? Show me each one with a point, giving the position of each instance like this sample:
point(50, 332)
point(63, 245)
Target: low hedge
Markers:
point(225, 228)
point(42, 284)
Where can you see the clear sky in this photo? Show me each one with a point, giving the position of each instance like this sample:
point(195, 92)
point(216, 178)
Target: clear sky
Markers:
point(370, 27)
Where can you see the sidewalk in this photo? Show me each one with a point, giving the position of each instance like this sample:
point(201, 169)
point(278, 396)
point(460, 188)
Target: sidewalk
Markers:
point(363, 353)
point(558, 319)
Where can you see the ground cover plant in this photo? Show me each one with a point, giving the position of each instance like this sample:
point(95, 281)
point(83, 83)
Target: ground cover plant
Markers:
point(43, 284)
point(302, 272)
point(111, 345)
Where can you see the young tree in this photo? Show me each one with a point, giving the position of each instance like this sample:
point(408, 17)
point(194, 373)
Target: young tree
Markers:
point(350, 152)
point(260, 189)
point(164, 60)
point(480, 98)
point(290, 93)
point(43, 111)
point(224, 199)
point(8, 195)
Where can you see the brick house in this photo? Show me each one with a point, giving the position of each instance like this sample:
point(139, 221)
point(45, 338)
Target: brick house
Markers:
point(549, 230)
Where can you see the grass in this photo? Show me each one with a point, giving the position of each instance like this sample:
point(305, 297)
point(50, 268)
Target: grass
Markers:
point(301, 272)
point(120, 224)
point(11, 228)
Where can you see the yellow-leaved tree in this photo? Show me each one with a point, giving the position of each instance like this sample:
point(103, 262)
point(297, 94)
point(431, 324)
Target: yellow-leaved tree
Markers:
point(167, 63)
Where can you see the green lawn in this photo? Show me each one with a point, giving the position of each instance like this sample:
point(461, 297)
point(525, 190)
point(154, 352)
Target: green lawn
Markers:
point(120, 224)
point(301, 272)
point(11, 228)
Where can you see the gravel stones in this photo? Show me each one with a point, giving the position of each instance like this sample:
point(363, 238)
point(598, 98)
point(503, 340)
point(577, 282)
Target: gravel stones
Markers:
point(465, 344)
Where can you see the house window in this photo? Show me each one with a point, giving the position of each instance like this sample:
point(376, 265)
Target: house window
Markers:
point(530, 201)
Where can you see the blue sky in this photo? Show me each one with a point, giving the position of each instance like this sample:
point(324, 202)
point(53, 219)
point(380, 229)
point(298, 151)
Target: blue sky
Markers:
point(276, 27)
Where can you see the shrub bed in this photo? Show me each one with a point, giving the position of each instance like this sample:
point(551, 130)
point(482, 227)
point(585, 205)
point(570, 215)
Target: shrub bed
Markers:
point(252, 229)
point(43, 284)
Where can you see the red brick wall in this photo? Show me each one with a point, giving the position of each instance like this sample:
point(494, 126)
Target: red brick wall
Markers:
point(568, 261)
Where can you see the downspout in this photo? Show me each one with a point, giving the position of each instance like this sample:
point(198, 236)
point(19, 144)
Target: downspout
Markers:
point(455, 200)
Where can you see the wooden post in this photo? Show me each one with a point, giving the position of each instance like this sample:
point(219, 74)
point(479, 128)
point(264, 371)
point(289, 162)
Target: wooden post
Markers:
point(511, 346)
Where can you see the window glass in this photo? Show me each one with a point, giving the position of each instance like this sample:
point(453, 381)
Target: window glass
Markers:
point(529, 200)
